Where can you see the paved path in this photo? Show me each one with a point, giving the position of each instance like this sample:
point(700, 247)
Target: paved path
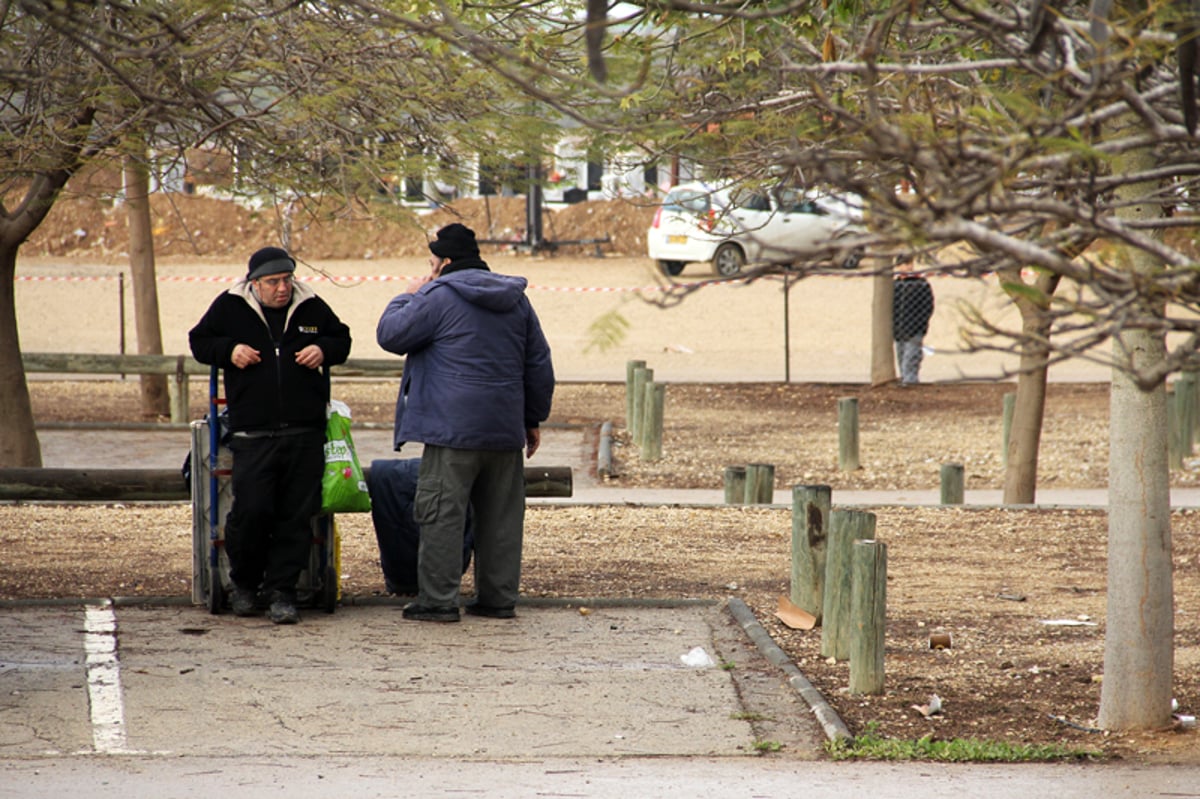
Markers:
point(168, 701)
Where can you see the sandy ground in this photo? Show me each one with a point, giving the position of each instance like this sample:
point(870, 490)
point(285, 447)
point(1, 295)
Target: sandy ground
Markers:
point(818, 331)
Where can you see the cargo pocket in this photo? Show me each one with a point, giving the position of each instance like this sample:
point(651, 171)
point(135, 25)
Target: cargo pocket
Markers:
point(426, 501)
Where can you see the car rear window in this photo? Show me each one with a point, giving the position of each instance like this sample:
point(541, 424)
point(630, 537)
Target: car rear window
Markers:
point(687, 200)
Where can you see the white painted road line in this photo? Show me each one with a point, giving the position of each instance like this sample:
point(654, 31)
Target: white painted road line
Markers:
point(104, 679)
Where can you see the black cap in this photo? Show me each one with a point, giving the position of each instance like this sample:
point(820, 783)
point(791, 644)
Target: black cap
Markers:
point(270, 261)
point(455, 241)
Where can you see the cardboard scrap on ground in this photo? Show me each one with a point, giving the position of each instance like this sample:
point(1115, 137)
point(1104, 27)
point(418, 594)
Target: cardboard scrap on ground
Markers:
point(795, 617)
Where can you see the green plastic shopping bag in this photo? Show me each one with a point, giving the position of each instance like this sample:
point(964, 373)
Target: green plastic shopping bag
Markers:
point(343, 487)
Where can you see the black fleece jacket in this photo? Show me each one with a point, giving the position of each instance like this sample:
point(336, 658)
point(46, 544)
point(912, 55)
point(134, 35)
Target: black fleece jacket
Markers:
point(277, 392)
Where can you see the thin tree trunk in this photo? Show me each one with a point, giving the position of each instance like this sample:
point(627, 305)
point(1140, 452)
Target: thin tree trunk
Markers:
point(18, 438)
point(1138, 640)
point(883, 353)
point(1138, 643)
point(1025, 435)
point(155, 399)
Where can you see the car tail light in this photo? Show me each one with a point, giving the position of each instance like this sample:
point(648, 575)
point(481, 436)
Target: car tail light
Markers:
point(709, 221)
point(657, 218)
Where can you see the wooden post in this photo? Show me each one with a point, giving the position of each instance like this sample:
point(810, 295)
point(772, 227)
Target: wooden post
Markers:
point(868, 607)
point(952, 484)
point(178, 392)
point(1185, 398)
point(1174, 432)
point(167, 485)
point(1010, 404)
point(845, 527)
point(604, 455)
point(810, 522)
point(760, 484)
point(630, 368)
point(1194, 380)
point(652, 422)
point(735, 485)
point(848, 434)
point(641, 376)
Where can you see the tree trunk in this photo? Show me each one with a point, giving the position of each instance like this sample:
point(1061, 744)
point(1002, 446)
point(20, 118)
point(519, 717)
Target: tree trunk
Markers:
point(1138, 645)
point(155, 399)
point(1138, 641)
point(1025, 435)
point(883, 353)
point(18, 437)
point(1024, 438)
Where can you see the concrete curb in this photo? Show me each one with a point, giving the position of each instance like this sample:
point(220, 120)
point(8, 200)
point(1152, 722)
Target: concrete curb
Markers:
point(829, 720)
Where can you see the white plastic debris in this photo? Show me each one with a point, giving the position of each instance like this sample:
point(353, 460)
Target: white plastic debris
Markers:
point(1068, 623)
point(697, 658)
point(934, 707)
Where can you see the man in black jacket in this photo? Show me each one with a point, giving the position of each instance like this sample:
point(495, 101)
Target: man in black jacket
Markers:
point(272, 336)
point(912, 307)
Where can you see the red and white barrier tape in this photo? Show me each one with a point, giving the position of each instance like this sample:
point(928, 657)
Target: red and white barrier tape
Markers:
point(354, 280)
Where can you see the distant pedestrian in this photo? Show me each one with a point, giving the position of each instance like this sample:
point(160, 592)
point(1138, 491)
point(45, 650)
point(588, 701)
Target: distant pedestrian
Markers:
point(478, 381)
point(912, 307)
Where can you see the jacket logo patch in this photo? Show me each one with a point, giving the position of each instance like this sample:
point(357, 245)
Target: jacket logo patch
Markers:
point(308, 329)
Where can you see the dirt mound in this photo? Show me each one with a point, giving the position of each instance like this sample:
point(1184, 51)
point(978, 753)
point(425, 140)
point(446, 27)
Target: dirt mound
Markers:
point(196, 226)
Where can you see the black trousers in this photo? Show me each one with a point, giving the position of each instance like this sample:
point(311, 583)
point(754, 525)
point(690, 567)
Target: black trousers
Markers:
point(276, 492)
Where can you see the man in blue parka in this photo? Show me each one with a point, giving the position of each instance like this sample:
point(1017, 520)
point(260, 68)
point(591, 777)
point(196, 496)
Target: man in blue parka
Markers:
point(477, 383)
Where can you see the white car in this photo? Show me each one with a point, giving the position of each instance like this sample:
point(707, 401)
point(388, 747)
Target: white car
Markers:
point(734, 226)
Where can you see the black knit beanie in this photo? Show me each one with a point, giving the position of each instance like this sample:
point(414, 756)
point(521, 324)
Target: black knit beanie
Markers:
point(455, 241)
point(270, 261)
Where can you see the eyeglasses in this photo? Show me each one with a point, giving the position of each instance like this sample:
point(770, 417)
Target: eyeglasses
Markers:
point(276, 282)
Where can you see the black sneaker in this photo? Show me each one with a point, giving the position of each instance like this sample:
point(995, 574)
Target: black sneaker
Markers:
point(491, 611)
point(422, 613)
point(283, 610)
point(242, 602)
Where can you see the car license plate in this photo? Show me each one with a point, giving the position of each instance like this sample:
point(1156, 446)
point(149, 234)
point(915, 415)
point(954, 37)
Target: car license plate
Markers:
point(677, 239)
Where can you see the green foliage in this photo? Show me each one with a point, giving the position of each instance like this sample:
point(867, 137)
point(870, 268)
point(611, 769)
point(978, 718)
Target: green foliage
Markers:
point(871, 746)
point(607, 332)
point(765, 747)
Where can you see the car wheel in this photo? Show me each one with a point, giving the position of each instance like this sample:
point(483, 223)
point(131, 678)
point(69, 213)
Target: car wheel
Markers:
point(671, 268)
point(852, 259)
point(728, 260)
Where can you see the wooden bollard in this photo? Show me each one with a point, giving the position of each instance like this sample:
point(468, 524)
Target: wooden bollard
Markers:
point(845, 527)
point(848, 434)
point(952, 483)
point(1174, 432)
point(1193, 378)
point(1185, 401)
point(1009, 406)
point(604, 454)
point(810, 530)
point(760, 484)
point(652, 421)
point(641, 376)
point(177, 392)
point(735, 485)
point(868, 607)
point(630, 368)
